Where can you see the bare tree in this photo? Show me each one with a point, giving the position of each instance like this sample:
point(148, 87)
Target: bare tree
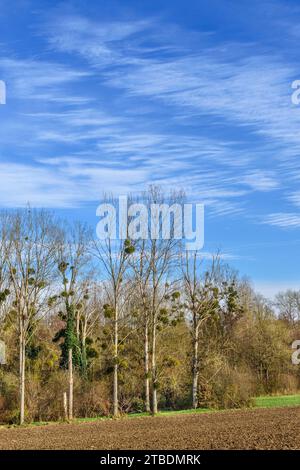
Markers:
point(288, 305)
point(72, 259)
point(30, 238)
point(201, 302)
point(156, 273)
point(113, 257)
point(143, 301)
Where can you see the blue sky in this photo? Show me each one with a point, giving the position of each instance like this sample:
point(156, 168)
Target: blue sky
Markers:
point(114, 95)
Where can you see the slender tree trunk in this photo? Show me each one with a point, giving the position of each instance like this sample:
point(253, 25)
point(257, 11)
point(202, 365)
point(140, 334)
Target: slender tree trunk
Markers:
point(65, 403)
point(147, 384)
point(70, 371)
point(22, 376)
point(115, 379)
point(195, 368)
point(154, 371)
point(77, 324)
point(83, 354)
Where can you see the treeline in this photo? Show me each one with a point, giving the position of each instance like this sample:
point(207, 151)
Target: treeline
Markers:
point(98, 327)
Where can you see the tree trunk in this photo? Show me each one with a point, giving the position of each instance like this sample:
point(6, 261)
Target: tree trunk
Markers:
point(84, 359)
point(115, 379)
point(77, 325)
point(70, 370)
point(195, 369)
point(154, 371)
point(22, 359)
point(147, 384)
point(65, 403)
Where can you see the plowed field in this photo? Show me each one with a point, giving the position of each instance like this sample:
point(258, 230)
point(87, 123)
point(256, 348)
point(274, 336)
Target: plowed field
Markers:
point(251, 429)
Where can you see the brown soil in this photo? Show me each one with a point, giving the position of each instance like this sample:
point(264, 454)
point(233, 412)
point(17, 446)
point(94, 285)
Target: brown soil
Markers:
point(251, 429)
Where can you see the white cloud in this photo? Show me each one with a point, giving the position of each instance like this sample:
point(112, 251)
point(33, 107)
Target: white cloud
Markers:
point(283, 220)
point(221, 172)
point(103, 44)
point(40, 80)
point(260, 181)
point(295, 198)
point(61, 186)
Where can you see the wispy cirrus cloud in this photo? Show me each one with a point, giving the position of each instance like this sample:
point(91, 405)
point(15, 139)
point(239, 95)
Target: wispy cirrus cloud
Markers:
point(41, 80)
point(103, 44)
point(283, 220)
point(261, 180)
point(295, 198)
point(253, 91)
point(227, 81)
point(68, 186)
point(162, 83)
